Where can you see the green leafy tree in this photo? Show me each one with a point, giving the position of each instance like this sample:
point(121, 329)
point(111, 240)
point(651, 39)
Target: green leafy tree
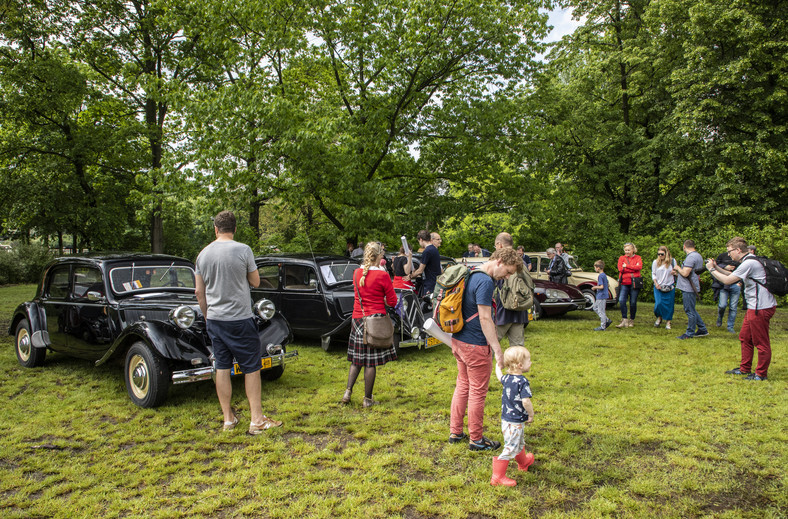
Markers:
point(731, 97)
point(141, 51)
point(67, 151)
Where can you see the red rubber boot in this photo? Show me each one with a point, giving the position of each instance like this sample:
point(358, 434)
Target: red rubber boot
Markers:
point(499, 473)
point(524, 460)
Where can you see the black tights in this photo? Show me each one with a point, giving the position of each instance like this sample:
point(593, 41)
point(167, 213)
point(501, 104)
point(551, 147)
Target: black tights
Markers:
point(369, 378)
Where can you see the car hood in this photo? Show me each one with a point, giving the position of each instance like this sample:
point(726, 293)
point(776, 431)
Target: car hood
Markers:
point(571, 291)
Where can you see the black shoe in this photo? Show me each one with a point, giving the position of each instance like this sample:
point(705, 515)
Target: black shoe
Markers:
point(608, 323)
point(485, 444)
point(599, 329)
point(736, 371)
point(457, 438)
point(704, 333)
point(753, 376)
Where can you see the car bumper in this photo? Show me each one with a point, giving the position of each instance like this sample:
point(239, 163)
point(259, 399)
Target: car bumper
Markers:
point(563, 306)
point(207, 372)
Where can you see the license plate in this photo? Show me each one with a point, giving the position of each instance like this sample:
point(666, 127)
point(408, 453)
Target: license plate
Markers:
point(432, 341)
point(266, 364)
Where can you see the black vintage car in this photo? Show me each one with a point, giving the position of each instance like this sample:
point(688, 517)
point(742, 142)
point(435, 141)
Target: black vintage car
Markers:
point(141, 308)
point(315, 294)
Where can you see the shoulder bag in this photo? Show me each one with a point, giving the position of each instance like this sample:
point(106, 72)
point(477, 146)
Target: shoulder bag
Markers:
point(378, 329)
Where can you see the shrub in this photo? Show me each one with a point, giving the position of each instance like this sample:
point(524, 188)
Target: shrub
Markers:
point(23, 263)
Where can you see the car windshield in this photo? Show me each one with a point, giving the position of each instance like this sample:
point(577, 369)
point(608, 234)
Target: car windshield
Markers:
point(137, 278)
point(338, 272)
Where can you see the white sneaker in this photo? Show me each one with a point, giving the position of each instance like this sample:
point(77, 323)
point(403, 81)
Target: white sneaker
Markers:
point(667, 326)
point(658, 322)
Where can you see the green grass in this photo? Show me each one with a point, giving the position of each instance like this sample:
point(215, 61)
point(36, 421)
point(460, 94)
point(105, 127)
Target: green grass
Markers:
point(629, 423)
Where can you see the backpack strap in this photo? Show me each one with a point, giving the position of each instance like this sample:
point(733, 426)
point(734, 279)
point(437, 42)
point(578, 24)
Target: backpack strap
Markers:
point(473, 271)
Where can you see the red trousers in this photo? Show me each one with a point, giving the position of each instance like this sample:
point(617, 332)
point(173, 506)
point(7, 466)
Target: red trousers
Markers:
point(474, 365)
point(754, 334)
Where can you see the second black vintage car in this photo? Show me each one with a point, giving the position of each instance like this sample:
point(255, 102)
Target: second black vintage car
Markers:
point(315, 294)
point(140, 308)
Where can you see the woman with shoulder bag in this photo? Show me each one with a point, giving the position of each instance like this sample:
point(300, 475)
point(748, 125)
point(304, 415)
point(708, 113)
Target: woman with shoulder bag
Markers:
point(630, 282)
point(664, 286)
point(374, 291)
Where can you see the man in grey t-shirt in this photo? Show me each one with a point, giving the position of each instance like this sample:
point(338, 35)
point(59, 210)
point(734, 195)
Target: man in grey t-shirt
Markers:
point(224, 271)
point(689, 284)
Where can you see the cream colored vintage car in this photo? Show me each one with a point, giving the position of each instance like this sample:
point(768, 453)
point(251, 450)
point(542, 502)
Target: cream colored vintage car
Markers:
point(581, 279)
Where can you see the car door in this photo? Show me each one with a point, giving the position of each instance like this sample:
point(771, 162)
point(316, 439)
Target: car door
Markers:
point(270, 286)
point(89, 326)
point(56, 305)
point(540, 267)
point(302, 300)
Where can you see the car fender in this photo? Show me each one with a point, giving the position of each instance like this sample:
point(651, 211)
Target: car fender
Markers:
point(37, 321)
point(275, 331)
point(163, 338)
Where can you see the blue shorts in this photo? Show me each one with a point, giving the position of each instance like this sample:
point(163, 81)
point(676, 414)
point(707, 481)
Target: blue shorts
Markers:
point(237, 340)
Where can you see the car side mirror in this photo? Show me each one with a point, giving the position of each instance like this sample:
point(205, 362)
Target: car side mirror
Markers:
point(94, 296)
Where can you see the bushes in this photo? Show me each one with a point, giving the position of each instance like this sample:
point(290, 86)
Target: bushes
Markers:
point(23, 264)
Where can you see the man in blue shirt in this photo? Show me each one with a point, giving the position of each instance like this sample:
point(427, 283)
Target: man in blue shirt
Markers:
point(473, 347)
point(431, 259)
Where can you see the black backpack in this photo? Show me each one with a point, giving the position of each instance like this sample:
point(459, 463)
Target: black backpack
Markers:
point(776, 275)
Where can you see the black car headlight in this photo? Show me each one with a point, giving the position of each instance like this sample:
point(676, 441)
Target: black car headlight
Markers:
point(265, 308)
point(183, 316)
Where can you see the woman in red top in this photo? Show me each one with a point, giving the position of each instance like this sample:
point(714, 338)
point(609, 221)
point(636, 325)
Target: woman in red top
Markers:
point(403, 266)
point(629, 267)
point(373, 286)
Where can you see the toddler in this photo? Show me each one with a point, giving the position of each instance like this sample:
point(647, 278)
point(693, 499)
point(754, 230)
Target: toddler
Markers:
point(516, 411)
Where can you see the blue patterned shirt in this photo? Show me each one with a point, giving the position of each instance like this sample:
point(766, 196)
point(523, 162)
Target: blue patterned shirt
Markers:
point(515, 388)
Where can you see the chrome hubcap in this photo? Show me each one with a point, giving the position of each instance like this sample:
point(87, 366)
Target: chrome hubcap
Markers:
point(138, 376)
point(23, 345)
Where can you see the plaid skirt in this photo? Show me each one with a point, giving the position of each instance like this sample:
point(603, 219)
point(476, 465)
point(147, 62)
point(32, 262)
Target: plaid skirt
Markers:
point(360, 354)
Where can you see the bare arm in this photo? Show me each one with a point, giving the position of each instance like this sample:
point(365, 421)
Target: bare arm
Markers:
point(199, 291)
point(529, 408)
point(254, 278)
point(722, 276)
point(490, 332)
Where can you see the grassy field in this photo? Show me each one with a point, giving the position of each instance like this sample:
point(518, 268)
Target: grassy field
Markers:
point(629, 423)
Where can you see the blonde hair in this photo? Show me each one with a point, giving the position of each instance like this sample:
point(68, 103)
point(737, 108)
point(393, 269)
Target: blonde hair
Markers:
point(630, 244)
point(515, 355)
point(372, 252)
point(668, 261)
point(599, 264)
point(739, 243)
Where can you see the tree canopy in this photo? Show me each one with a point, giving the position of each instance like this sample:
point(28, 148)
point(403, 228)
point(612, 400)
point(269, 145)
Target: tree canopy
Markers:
point(131, 122)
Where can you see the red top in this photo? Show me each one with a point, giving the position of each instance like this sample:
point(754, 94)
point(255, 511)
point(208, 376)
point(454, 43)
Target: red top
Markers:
point(634, 264)
point(377, 292)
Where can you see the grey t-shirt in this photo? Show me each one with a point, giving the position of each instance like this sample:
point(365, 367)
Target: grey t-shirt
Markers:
point(224, 266)
point(751, 271)
point(695, 262)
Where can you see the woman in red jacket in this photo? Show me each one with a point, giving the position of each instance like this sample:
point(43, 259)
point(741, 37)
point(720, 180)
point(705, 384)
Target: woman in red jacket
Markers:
point(374, 290)
point(630, 283)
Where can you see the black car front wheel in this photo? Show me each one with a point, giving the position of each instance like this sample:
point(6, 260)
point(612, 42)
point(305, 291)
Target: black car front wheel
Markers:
point(28, 355)
point(147, 376)
point(274, 373)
